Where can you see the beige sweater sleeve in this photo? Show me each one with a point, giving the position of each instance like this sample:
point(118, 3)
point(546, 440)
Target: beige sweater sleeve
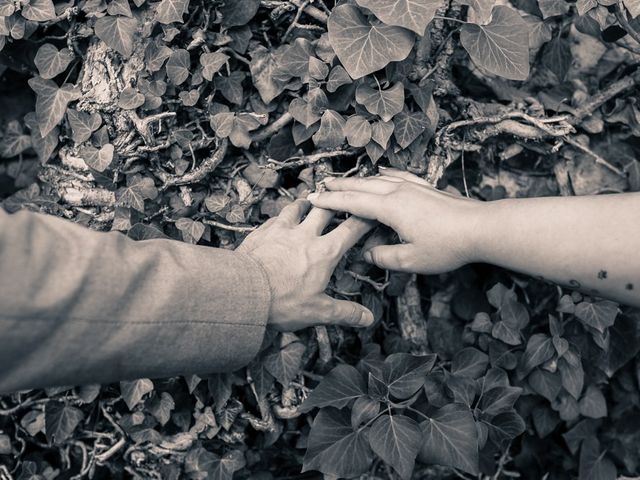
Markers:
point(78, 306)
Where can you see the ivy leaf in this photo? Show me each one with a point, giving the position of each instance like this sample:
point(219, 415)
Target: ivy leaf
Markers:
point(381, 133)
point(60, 421)
point(572, 376)
point(408, 126)
point(117, 32)
point(413, 15)
point(341, 385)
point(384, 103)
point(514, 314)
point(334, 448)
point(263, 69)
point(463, 389)
point(7, 7)
point(331, 133)
point(552, 8)
point(451, 439)
point(499, 399)
point(155, 54)
point(308, 111)
point(178, 66)
point(504, 427)
point(98, 159)
point(138, 190)
point(502, 46)
point(481, 9)
point(51, 102)
point(376, 388)
point(318, 70)
point(337, 78)
point(191, 231)
point(238, 12)
point(39, 10)
point(505, 333)
point(202, 461)
point(599, 315)
point(557, 57)
point(83, 124)
point(404, 374)
point(470, 362)
point(51, 62)
point(169, 11)
point(217, 202)
point(14, 141)
point(358, 131)
point(363, 48)
point(284, 363)
point(592, 404)
point(44, 146)
point(364, 409)
point(231, 87)
point(262, 379)
point(119, 7)
point(212, 63)
point(162, 407)
point(594, 465)
point(539, 350)
point(545, 383)
point(582, 430)
point(132, 392)
point(293, 59)
point(130, 99)
point(396, 439)
point(539, 32)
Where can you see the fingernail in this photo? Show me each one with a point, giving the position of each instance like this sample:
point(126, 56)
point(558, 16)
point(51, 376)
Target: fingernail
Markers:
point(328, 180)
point(313, 196)
point(380, 167)
point(366, 318)
point(367, 256)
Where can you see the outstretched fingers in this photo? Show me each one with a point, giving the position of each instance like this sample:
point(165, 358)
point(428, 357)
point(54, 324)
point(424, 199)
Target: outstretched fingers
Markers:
point(348, 233)
point(363, 184)
point(364, 205)
point(317, 220)
point(293, 213)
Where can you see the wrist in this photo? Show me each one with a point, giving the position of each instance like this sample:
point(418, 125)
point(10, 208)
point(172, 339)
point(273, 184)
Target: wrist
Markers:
point(482, 231)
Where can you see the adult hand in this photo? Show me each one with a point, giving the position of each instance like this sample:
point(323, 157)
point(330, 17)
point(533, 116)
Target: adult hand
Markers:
point(299, 261)
point(436, 228)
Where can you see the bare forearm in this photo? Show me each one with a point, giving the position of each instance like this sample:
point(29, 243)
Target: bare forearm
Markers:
point(591, 243)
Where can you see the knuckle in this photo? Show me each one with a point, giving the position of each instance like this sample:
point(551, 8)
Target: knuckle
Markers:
point(328, 249)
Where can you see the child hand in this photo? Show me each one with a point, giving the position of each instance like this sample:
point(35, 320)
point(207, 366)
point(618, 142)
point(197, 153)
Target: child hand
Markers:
point(437, 228)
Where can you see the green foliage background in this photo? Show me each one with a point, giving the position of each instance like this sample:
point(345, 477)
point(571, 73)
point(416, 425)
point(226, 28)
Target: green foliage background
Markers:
point(198, 120)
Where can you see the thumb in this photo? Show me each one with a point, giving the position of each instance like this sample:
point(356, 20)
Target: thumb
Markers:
point(391, 257)
point(347, 314)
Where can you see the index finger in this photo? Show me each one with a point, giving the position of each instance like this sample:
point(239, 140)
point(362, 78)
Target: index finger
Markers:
point(361, 204)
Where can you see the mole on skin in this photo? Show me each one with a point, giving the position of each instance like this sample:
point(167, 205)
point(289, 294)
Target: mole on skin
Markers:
point(602, 274)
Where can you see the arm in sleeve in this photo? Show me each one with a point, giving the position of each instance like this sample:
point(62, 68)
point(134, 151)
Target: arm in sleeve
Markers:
point(78, 306)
